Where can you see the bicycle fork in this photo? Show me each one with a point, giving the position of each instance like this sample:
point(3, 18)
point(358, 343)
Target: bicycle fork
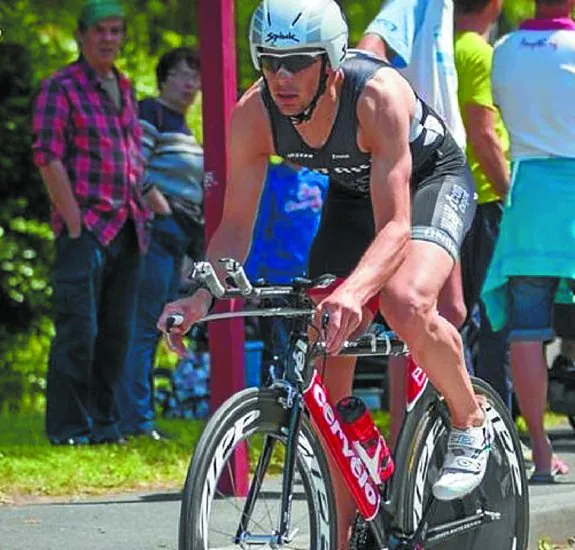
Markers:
point(282, 535)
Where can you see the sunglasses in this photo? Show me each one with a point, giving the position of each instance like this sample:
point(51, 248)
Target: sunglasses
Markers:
point(293, 63)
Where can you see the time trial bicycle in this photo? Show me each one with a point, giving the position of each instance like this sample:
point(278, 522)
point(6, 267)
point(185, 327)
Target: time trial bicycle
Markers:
point(288, 501)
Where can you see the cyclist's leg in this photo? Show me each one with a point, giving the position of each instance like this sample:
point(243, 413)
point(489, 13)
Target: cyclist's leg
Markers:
point(409, 304)
point(451, 303)
point(451, 306)
point(442, 211)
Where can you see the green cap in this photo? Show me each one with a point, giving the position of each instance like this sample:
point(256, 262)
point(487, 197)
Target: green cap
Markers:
point(95, 11)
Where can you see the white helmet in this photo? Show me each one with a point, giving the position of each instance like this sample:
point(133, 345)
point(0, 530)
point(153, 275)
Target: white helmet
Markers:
point(296, 24)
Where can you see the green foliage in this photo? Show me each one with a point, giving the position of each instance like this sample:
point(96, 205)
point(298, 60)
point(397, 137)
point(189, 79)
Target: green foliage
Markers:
point(516, 11)
point(25, 241)
point(547, 544)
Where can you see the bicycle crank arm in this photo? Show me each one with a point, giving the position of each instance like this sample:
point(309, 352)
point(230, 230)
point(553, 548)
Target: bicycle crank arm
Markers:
point(446, 531)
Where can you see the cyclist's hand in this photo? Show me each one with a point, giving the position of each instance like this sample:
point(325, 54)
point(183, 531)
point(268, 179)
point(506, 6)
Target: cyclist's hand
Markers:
point(344, 314)
point(192, 309)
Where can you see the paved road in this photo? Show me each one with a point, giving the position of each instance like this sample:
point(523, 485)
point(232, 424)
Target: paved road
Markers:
point(553, 506)
point(150, 521)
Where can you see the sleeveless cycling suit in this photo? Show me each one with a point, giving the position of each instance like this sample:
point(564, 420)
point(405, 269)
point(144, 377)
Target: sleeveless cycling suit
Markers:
point(442, 194)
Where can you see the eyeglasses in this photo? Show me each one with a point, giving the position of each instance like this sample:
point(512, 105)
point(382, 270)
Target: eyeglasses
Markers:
point(292, 62)
point(185, 76)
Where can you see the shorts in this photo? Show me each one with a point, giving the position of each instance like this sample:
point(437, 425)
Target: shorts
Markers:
point(531, 308)
point(443, 207)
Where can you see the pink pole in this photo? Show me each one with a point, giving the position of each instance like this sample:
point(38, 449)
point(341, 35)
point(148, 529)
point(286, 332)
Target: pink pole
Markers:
point(219, 89)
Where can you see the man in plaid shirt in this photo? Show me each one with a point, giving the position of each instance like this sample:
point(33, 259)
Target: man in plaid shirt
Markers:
point(87, 148)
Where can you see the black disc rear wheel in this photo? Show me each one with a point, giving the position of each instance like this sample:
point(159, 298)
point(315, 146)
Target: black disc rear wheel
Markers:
point(503, 492)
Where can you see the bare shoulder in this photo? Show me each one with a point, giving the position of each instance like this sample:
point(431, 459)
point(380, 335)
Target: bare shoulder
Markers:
point(250, 121)
point(385, 109)
point(386, 95)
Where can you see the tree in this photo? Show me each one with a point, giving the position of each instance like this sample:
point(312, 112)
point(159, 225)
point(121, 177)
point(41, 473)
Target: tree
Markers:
point(25, 238)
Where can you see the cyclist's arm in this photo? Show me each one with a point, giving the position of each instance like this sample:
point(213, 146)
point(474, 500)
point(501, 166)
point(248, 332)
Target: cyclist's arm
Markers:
point(384, 113)
point(250, 145)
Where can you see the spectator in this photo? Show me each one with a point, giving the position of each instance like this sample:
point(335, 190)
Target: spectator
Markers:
point(536, 245)
point(416, 37)
point(87, 148)
point(487, 150)
point(291, 205)
point(174, 191)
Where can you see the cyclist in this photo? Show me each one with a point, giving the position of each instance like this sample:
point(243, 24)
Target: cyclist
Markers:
point(399, 203)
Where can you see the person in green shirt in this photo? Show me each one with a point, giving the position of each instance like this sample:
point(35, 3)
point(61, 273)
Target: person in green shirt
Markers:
point(487, 155)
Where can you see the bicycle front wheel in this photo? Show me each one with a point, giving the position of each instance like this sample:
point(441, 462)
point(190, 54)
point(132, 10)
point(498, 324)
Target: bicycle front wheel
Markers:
point(503, 492)
point(217, 513)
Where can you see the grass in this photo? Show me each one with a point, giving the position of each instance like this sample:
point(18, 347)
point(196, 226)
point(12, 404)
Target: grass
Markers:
point(547, 544)
point(30, 467)
point(552, 420)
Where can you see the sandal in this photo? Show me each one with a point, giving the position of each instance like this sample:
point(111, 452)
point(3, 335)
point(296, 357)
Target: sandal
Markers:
point(559, 466)
point(542, 478)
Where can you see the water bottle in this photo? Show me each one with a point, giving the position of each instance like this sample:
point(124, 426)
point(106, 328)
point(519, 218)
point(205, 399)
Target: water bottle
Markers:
point(367, 442)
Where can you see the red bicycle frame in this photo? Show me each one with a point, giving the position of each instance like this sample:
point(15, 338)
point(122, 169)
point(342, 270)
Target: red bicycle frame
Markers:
point(325, 417)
